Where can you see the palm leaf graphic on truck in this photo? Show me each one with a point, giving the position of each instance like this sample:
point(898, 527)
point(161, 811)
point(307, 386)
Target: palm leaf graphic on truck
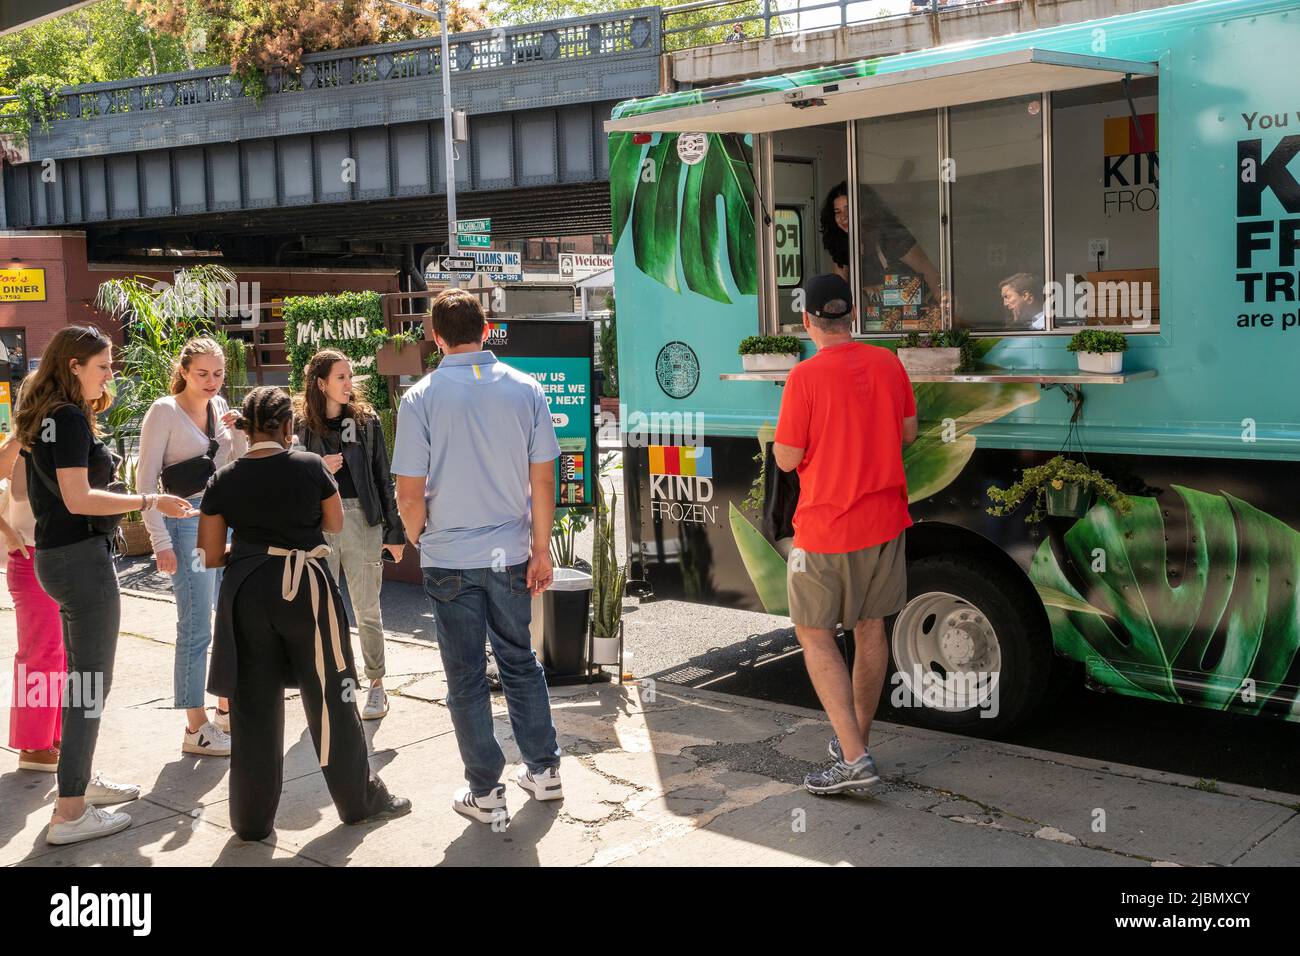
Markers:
point(1227, 634)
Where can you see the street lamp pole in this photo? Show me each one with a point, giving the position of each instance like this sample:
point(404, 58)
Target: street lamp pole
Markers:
point(444, 60)
point(447, 133)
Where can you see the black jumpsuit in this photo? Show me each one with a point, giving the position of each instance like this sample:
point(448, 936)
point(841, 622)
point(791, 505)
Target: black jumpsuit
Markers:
point(281, 623)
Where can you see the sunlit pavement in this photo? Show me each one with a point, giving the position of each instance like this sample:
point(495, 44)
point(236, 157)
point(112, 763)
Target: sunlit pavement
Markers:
point(653, 774)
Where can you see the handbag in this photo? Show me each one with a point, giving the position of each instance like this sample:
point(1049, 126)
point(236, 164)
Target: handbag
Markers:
point(187, 478)
point(97, 524)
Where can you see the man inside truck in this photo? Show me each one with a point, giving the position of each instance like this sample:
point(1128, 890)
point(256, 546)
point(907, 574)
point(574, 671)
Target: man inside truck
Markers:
point(845, 415)
point(1022, 295)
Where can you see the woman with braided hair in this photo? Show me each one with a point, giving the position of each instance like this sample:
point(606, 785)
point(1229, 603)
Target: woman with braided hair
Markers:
point(281, 622)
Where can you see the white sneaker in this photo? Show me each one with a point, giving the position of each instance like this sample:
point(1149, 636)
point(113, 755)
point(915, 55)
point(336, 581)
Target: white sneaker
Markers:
point(208, 741)
point(221, 721)
point(102, 793)
point(488, 809)
point(376, 703)
point(543, 786)
point(94, 823)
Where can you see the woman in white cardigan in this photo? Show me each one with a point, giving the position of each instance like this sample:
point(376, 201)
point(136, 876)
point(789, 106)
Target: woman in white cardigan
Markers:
point(185, 436)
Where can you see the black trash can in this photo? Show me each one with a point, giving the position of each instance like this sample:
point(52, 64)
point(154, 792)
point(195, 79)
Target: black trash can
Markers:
point(565, 608)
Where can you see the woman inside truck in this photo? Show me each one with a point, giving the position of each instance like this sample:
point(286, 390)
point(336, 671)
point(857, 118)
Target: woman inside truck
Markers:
point(887, 245)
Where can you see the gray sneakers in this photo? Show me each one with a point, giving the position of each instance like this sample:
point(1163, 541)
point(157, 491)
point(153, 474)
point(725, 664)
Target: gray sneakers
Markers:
point(841, 777)
point(92, 825)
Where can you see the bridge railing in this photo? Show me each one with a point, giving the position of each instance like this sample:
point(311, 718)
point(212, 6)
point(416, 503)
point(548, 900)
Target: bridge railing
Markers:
point(561, 43)
point(706, 22)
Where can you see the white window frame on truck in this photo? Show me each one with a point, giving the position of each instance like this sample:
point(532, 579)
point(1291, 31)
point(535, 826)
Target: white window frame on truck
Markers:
point(937, 87)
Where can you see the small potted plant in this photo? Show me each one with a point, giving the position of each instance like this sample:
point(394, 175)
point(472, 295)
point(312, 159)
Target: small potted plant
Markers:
point(769, 353)
point(1099, 350)
point(402, 353)
point(608, 583)
point(936, 352)
point(1060, 487)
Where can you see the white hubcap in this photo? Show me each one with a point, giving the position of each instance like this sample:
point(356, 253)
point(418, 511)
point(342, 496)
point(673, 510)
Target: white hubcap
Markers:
point(946, 652)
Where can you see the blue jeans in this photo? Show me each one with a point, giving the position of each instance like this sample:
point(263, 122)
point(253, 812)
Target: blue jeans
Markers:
point(195, 593)
point(467, 604)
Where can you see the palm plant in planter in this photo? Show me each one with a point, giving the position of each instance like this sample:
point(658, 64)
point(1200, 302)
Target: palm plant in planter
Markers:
point(1060, 487)
point(769, 353)
point(1099, 350)
point(134, 533)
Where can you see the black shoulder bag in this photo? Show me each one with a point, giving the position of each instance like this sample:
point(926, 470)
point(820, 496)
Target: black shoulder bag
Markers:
point(187, 478)
point(97, 524)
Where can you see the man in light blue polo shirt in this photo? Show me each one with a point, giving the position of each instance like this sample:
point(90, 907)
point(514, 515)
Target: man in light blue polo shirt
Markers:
point(475, 465)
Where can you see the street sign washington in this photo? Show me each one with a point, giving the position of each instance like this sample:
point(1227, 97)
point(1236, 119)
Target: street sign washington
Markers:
point(473, 225)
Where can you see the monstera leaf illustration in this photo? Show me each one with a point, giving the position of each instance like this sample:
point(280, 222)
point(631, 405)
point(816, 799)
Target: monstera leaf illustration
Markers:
point(708, 229)
point(764, 563)
point(1226, 634)
point(946, 414)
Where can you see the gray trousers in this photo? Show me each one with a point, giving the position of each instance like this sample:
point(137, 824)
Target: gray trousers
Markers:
point(83, 582)
point(357, 548)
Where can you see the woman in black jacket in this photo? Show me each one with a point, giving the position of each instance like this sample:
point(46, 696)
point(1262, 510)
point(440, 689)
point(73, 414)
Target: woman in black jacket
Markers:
point(340, 426)
point(280, 622)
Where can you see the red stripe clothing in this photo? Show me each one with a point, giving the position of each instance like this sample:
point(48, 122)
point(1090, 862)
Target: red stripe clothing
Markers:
point(845, 407)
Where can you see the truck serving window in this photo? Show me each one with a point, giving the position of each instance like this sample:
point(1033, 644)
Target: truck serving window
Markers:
point(1106, 207)
point(897, 223)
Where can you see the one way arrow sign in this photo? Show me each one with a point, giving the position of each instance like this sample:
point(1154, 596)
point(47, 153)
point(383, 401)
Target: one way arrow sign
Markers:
point(456, 264)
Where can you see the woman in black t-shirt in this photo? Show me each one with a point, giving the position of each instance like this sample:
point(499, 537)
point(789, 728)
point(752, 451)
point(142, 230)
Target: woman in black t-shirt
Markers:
point(281, 622)
point(68, 474)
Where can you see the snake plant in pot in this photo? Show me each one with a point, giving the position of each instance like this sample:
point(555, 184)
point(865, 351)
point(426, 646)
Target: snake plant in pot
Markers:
point(608, 583)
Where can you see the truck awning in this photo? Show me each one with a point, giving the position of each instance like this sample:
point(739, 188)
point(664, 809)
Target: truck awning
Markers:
point(868, 88)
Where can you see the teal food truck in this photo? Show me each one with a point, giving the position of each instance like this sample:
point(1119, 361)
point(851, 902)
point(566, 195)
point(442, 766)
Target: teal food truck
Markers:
point(1130, 175)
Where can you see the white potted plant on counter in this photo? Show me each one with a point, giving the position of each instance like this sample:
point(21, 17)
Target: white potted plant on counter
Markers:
point(937, 352)
point(769, 353)
point(1099, 350)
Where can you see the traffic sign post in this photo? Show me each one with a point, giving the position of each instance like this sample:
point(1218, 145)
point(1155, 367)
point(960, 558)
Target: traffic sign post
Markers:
point(456, 264)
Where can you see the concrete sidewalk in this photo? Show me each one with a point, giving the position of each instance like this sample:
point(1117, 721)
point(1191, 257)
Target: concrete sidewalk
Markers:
point(652, 775)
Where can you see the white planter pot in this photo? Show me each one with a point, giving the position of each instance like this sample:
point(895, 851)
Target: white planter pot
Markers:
point(769, 363)
point(1104, 362)
point(604, 650)
point(930, 360)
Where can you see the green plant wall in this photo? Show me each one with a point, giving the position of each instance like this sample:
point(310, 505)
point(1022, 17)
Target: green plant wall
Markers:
point(338, 317)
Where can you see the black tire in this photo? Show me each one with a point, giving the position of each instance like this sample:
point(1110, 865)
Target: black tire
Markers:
point(1013, 611)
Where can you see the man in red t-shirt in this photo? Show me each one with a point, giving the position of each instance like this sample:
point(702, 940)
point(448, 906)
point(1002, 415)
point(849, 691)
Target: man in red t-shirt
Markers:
point(845, 415)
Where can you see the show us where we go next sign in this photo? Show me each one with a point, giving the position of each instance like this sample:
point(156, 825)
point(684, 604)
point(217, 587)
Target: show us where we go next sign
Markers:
point(558, 354)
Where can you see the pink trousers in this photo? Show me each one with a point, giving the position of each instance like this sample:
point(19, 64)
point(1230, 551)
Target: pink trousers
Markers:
point(41, 662)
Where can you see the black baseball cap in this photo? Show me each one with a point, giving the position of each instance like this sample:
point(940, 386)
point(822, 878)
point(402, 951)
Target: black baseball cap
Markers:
point(828, 297)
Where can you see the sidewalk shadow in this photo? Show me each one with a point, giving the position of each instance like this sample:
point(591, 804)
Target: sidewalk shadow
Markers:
point(33, 793)
point(516, 845)
point(181, 786)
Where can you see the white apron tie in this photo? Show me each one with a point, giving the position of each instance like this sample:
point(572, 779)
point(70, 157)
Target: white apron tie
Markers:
point(296, 561)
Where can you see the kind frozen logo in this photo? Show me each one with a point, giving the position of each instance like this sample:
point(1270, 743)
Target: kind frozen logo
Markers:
point(498, 335)
point(681, 484)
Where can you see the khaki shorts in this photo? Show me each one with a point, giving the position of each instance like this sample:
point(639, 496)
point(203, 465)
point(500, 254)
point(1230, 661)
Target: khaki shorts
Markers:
point(847, 588)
